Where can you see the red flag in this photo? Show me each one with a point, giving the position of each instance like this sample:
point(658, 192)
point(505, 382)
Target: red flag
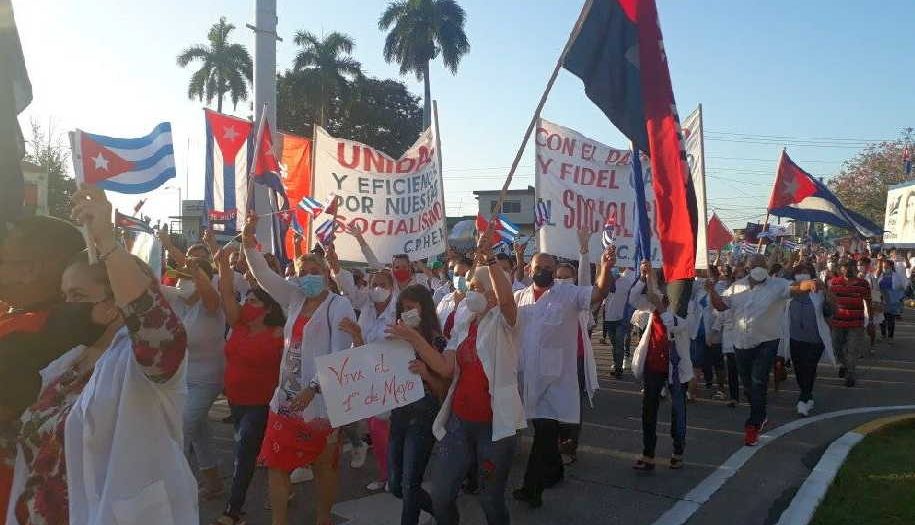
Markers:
point(482, 223)
point(717, 234)
point(792, 184)
point(296, 155)
point(332, 205)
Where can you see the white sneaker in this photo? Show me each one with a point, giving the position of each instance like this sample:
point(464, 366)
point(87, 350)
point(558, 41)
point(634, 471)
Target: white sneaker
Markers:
point(802, 409)
point(810, 406)
point(377, 485)
point(301, 475)
point(359, 454)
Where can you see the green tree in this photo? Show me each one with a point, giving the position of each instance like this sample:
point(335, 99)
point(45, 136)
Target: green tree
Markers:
point(420, 30)
point(323, 69)
point(225, 67)
point(48, 149)
point(863, 180)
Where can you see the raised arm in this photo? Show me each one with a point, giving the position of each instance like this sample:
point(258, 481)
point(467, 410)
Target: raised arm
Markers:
point(501, 286)
point(273, 283)
point(519, 261)
point(364, 247)
point(173, 251)
point(204, 288)
point(715, 299)
point(227, 288)
point(604, 276)
point(584, 261)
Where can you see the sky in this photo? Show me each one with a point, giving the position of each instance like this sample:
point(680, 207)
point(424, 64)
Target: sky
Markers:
point(821, 78)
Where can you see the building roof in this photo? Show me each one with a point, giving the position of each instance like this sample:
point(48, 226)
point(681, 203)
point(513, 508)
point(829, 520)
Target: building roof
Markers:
point(530, 189)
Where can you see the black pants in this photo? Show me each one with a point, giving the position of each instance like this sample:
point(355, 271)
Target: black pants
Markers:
point(805, 357)
point(733, 378)
point(570, 431)
point(714, 364)
point(250, 424)
point(888, 326)
point(544, 464)
point(651, 400)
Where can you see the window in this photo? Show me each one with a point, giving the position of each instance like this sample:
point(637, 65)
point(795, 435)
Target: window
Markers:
point(511, 206)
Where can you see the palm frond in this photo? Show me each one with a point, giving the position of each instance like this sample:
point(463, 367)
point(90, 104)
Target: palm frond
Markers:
point(196, 52)
point(394, 12)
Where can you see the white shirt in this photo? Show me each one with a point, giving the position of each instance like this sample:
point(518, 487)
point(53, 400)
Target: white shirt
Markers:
point(757, 310)
point(462, 318)
point(440, 292)
point(549, 350)
point(374, 324)
point(615, 304)
point(123, 445)
point(677, 332)
point(206, 333)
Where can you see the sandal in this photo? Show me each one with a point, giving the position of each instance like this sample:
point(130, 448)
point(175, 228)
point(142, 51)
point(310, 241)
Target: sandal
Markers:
point(644, 464)
point(676, 462)
point(228, 519)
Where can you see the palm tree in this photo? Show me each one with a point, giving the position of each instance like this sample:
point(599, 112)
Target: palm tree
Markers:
point(325, 67)
point(420, 30)
point(226, 68)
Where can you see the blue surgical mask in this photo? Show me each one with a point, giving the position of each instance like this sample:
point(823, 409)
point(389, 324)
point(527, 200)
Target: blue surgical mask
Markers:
point(311, 285)
point(460, 283)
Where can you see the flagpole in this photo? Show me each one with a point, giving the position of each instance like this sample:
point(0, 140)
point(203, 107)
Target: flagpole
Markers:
point(311, 183)
point(438, 147)
point(546, 92)
point(768, 211)
point(80, 177)
point(704, 192)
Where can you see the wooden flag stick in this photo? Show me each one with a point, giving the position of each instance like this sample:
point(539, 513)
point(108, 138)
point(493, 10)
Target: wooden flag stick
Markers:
point(546, 92)
point(77, 157)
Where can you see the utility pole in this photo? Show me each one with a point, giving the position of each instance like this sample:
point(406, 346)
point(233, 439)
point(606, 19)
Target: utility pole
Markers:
point(265, 39)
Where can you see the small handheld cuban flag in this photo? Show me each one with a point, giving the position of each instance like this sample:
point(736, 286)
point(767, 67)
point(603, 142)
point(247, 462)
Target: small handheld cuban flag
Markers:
point(507, 229)
point(131, 224)
point(608, 237)
point(296, 227)
point(747, 248)
point(541, 215)
point(310, 205)
point(790, 245)
point(332, 205)
point(325, 232)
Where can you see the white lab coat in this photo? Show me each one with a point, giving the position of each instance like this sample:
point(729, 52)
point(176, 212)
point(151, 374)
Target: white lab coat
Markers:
point(548, 331)
point(498, 352)
point(677, 330)
point(586, 318)
point(123, 445)
point(374, 324)
point(462, 318)
point(784, 344)
point(320, 336)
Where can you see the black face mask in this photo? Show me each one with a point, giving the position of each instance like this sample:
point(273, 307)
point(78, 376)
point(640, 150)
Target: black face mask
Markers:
point(543, 278)
point(76, 320)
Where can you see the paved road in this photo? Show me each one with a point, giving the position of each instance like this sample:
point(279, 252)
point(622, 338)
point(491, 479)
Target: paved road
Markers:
point(602, 488)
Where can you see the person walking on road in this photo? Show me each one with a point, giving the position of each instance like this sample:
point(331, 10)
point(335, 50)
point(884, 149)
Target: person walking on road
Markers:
point(851, 296)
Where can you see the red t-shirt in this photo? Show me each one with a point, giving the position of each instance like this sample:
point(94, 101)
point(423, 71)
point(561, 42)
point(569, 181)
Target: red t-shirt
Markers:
point(298, 327)
point(658, 357)
point(471, 401)
point(252, 365)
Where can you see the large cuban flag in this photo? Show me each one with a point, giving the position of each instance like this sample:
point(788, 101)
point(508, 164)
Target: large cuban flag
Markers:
point(800, 196)
point(126, 165)
point(229, 148)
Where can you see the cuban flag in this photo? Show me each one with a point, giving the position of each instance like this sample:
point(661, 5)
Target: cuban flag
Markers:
point(541, 214)
point(229, 150)
point(790, 245)
point(131, 224)
point(325, 232)
point(126, 165)
point(800, 196)
point(618, 53)
point(506, 229)
point(608, 236)
point(311, 206)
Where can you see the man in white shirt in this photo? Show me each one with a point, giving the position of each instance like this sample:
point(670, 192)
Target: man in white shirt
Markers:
point(616, 322)
point(548, 324)
point(758, 303)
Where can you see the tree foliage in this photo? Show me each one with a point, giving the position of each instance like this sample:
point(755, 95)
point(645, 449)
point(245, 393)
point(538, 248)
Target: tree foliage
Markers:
point(324, 67)
point(863, 180)
point(225, 67)
point(48, 149)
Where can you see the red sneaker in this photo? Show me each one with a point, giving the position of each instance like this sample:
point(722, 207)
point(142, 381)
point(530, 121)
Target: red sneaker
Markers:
point(750, 435)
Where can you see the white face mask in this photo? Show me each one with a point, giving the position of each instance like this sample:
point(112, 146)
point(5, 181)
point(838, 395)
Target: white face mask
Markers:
point(801, 277)
point(567, 280)
point(830, 266)
point(460, 283)
point(411, 317)
point(759, 274)
point(476, 302)
point(379, 294)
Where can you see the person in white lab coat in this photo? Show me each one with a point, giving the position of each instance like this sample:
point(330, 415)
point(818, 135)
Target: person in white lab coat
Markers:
point(548, 325)
point(103, 440)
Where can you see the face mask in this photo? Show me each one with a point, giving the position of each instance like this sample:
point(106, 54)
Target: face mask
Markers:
point(801, 277)
point(830, 266)
point(759, 274)
point(311, 285)
point(543, 278)
point(476, 302)
point(411, 318)
point(450, 275)
point(379, 294)
point(77, 317)
point(460, 283)
point(251, 312)
point(402, 275)
point(568, 280)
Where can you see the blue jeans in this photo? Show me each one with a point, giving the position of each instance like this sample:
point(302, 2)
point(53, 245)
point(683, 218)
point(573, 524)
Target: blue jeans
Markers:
point(651, 400)
point(250, 424)
point(409, 448)
point(618, 332)
point(466, 443)
point(197, 434)
point(754, 365)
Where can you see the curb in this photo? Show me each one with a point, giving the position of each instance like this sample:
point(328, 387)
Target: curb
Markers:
point(813, 490)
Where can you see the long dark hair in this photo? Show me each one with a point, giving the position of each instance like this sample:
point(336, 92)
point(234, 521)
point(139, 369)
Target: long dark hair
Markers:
point(429, 327)
point(274, 315)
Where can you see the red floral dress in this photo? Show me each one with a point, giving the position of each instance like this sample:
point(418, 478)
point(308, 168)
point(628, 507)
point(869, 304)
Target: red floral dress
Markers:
point(159, 344)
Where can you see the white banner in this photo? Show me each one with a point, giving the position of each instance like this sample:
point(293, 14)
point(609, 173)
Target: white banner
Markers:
point(368, 380)
point(899, 222)
point(398, 203)
point(695, 155)
point(583, 182)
